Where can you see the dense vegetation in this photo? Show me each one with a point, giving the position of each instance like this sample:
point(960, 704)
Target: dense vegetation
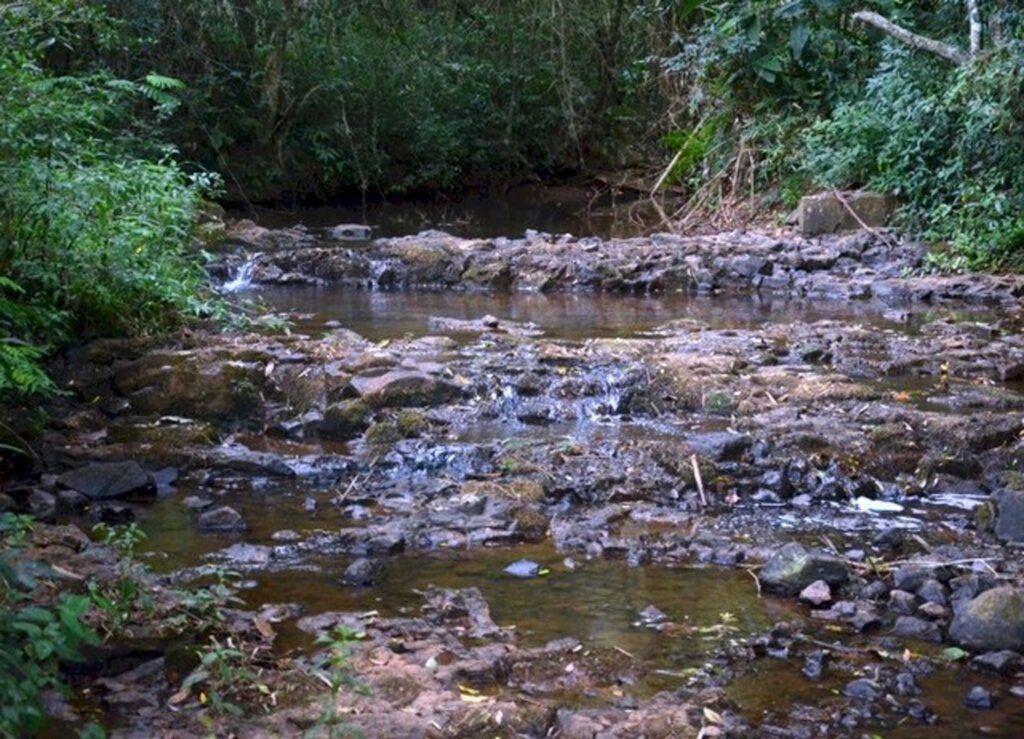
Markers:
point(116, 118)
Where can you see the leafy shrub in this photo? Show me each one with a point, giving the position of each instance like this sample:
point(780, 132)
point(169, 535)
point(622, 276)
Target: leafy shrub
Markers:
point(95, 216)
point(33, 640)
point(947, 142)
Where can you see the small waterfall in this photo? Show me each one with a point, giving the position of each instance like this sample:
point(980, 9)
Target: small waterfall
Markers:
point(243, 278)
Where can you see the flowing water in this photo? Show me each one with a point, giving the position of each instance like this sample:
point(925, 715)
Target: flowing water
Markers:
point(595, 601)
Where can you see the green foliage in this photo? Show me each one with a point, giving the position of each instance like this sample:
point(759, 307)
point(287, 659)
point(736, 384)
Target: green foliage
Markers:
point(95, 216)
point(332, 668)
point(948, 142)
point(336, 96)
point(224, 676)
point(120, 599)
point(33, 639)
point(202, 610)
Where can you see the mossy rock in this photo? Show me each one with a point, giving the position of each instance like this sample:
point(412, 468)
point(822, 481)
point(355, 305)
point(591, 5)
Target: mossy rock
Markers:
point(411, 424)
point(345, 420)
point(382, 434)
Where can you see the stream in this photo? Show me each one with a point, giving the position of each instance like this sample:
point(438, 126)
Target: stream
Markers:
point(637, 450)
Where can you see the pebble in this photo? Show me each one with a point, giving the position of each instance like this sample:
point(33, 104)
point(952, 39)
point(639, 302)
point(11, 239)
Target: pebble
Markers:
point(979, 699)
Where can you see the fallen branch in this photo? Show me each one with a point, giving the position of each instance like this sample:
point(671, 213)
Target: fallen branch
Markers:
point(905, 36)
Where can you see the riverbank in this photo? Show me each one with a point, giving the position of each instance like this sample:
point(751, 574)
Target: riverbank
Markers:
point(805, 459)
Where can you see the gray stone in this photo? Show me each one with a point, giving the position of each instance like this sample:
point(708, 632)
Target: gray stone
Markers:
point(826, 213)
point(911, 627)
point(792, 568)
point(108, 480)
point(719, 445)
point(404, 388)
point(42, 506)
point(1003, 662)
point(817, 593)
point(345, 420)
point(363, 572)
point(862, 689)
point(993, 621)
point(932, 591)
point(349, 232)
point(979, 699)
point(7, 503)
point(71, 500)
point(900, 601)
point(1009, 523)
point(224, 518)
point(652, 615)
point(523, 568)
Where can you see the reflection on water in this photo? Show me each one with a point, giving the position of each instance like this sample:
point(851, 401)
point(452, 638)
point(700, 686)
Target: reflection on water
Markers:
point(576, 210)
point(387, 315)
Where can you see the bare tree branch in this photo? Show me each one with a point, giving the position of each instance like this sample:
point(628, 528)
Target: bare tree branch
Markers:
point(946, 51)
point(974, 19)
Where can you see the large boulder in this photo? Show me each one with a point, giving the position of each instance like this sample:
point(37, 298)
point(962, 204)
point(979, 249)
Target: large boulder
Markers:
point(404, 388)
point(792, 568)
point(992, 621)
point(827, 213)
point(108, 480)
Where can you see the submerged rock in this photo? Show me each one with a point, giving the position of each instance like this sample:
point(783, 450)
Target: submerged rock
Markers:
point(107, 480)
point(992, 621)
point(792, 568)
point(363, 572)
point(224, 518)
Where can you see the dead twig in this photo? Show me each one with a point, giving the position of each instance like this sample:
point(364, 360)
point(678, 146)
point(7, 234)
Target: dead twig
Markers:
point(699, 480)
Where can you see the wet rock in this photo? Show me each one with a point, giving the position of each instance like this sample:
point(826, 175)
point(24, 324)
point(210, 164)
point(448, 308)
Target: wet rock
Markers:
point(933, 611)
point(349, 232)
point(1003, 662)
point(224, 518)
point(906, 685)
point(108, 480)
point(71, 500)
point(932, 591)
point(992, 621)
point(910, 577)
point(113, 513)
point(1009, 520)
point(523, 568)
point(792, 568)
point(405, 388)
point(196, 503)
point(42, 506)
point(862, 689)
point(815, 663)
point(900, 601)
point(911, 627)
point(652, 615)
point(465, 607)
point(7, 503)
point(363, 572)
point(817, 593)
point(345, 420)
point(720, 445)
point(979, 699)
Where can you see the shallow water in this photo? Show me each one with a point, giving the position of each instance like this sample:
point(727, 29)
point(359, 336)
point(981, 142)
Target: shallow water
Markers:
point(389, 315)
point(576, 210)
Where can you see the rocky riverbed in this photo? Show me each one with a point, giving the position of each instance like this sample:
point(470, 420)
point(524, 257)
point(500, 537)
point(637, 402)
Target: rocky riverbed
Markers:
point(767, 527)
